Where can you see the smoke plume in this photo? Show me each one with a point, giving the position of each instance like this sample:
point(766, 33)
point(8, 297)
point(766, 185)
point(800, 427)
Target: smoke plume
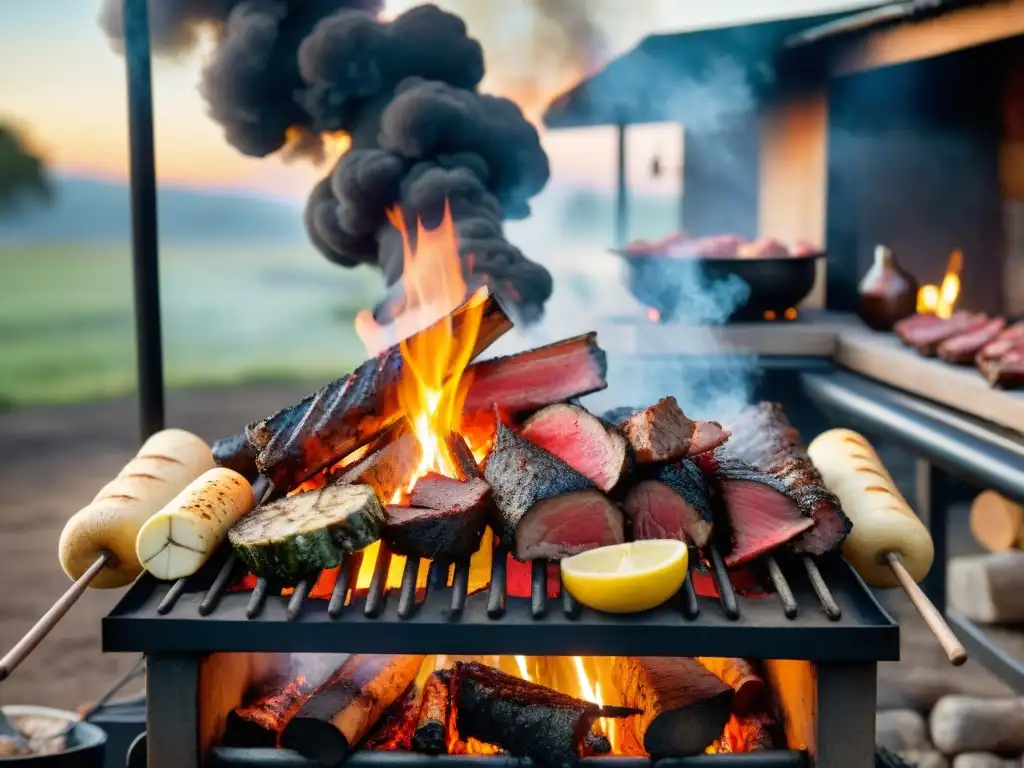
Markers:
point(283, 72)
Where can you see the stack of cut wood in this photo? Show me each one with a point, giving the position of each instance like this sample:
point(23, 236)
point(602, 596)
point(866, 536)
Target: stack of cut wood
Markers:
point(989, 588)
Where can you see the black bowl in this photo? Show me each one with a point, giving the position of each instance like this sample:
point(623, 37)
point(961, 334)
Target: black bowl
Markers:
point(86, 743)
point(747, 288)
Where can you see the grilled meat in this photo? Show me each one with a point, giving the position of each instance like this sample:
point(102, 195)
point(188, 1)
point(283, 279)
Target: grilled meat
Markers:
point(672, 505)
point(447, 518)
point(546, 509)
point(963, 348)
point(236, 453)
point(581, 440)
point(659, 433)
point(927, 337)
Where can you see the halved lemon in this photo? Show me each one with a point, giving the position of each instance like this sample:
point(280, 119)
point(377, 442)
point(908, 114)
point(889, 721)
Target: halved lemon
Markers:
point(627, 578)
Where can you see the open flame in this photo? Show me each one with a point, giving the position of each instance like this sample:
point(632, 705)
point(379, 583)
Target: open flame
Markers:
point(940, 300)
point(434, 352)
point(322, 148)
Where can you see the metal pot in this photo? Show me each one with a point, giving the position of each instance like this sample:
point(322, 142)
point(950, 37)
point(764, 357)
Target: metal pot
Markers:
point(775, 284)
point(86, 743)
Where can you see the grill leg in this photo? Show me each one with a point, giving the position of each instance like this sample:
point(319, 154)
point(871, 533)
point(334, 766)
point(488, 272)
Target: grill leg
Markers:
point(932, 497)
point(846, 715)
point(172, 710)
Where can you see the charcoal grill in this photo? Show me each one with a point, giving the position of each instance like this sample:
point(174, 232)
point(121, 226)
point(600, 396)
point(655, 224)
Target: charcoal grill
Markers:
point(820, 612)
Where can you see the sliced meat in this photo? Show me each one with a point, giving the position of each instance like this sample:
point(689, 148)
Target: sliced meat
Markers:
point(546, 509)
point(768, 441)
point(760, 513)
point(926, 338)
point(707, 435)
point(591, 447)
point(659, 433)
point(434, 491)
point(539, 377)
point(963, 348)
point(1006, 371)
point(673, 506)
point(1007, 340)
point(431, 533)
point(907, 324)
point(566, 525)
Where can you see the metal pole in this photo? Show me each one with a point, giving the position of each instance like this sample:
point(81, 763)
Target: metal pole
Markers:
point(622, 192)
point(145, 264)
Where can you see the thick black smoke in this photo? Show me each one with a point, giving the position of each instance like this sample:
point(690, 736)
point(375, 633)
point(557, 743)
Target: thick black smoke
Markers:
point(405, 91)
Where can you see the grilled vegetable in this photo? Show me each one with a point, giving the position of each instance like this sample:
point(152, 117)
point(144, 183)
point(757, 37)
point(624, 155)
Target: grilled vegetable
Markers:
point(299, 536)
point(181, 537)
point(166, 463)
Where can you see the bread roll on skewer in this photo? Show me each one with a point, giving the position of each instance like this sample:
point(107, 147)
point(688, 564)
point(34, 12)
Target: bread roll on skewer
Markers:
point(166, 463)
point(883, 522)
point(181, 537)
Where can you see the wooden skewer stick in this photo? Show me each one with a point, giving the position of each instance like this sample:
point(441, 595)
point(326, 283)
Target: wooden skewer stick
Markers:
point(956, 653)
point(45, 625)
point(261, 488)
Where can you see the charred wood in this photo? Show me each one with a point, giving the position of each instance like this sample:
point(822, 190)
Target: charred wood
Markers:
point(523, 718)
point(684, 707)
point(431, 735)
point(340, 712)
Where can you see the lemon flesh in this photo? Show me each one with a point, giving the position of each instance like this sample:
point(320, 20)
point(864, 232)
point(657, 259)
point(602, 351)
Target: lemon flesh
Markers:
point(627, 578)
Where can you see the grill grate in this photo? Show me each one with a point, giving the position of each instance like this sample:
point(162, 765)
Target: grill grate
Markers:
point(497, 598)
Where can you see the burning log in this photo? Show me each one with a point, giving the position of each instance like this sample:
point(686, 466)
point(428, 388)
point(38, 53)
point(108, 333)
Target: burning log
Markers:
point(388, 468)
point(741, 676)
point(447, 518)
point(236, 453)
point(530, 380)
point(340, 713)
point(297, 442)
point(463, 457)
point(594, 449)
point(395, 729)
point(684, 706)
point(259, 722)
point(431, 735)
point(748, 733)
point(673, 506)
point(769, 442)
point(545, 507)
point(758, 508)
point(523, 718)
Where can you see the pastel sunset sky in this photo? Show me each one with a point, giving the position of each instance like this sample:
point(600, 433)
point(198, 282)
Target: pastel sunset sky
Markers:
point(63, 85)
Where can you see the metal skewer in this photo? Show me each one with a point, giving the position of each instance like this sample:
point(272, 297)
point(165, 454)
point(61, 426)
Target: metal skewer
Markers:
point(955, 651)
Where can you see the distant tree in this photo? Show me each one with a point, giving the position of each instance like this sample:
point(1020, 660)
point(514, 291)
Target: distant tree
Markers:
point(22, 173)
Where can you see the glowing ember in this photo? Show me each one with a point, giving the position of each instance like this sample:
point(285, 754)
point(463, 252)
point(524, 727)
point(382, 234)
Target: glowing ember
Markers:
point(940, 300)
point(653, 315)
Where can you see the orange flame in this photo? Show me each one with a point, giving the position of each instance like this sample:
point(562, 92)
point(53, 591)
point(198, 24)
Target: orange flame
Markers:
point(940, 300)
point(434, 353)
point(321, 148)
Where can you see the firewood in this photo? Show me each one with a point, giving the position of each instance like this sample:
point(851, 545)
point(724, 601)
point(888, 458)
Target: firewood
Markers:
point(985, 760)
point(964, 724)
point(342, 711)
point(901, 730)
point(741, 676)
point(996, 522)
point(988, 588)
point(685, 707)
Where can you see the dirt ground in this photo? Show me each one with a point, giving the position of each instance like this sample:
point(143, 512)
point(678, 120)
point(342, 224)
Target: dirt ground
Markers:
point(54, 459)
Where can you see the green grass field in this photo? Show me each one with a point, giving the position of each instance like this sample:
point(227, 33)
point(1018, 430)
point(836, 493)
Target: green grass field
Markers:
point(230, 314)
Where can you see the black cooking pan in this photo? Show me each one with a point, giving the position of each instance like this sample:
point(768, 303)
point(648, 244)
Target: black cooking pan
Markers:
point(772, 284)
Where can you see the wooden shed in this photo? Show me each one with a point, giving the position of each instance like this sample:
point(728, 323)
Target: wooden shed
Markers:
point(900, 124)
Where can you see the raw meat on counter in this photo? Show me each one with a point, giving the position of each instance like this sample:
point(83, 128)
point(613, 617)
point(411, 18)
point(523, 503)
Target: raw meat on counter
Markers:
point(680, 245)
point(996, 348)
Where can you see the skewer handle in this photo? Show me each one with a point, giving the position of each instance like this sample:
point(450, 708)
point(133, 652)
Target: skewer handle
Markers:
point(956, 653)
point(45, 625)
